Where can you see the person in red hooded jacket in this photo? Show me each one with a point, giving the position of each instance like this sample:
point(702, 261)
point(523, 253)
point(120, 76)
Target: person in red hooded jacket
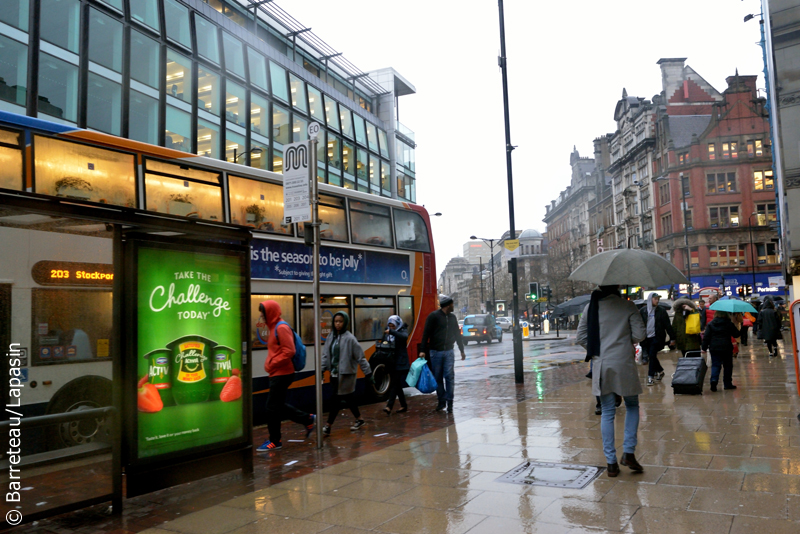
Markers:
point(280, 350)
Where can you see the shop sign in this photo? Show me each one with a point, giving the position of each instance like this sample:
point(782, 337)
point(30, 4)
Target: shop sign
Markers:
point(189, 350)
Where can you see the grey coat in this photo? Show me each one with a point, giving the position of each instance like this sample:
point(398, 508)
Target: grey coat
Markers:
point(614, 371)
point(351, 356)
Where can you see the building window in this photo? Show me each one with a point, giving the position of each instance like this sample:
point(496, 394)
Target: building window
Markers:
point(299, 129)
point(235, 109)
point(763, 180)
point(372, 137)
point(666, 225)
point(207, 39)
point(235, 148)
point(176, 19)
point(349, 160)
point(145, 59)
point(60, 23)
point(755, 148)
point(280, 125)
point(259, 116)
point(315, 105)
point(277, 76)
point(712, 151)
point(686, 185)
point(103, 105)
point(726, 255)
point(333, 115)
point(346, 117)
point(683, 158)
point(723, 216)
point(16, 14)
point(688, 219)
point(730, 150)
point(765, 214)
point(146, 12)
point(143, 122)
point(58, 88)
point(13, 71)
point(234, 56)
point(105, 40)
point(258, 69)
point(207, 91)
point(334, 152)
point(721, 182)
point(663, 193)
point(259, 160)
point(298, 88)
point(766, 253)
point(361, 131)
point(695, 254)
point(207, 139)
point(178, 130)
point(179, 76)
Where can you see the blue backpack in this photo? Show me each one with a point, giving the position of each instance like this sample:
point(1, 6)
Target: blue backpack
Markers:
point(299, 358)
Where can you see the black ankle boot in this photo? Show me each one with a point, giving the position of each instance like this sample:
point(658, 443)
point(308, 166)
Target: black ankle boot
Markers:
point(713, 386)
point(629, 460)
point(613, 470)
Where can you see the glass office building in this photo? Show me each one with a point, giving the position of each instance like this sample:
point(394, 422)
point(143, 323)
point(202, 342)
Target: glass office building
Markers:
point(234, 80)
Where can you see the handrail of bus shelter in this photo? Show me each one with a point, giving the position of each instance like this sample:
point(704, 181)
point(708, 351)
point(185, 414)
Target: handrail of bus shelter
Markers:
point(46, 420)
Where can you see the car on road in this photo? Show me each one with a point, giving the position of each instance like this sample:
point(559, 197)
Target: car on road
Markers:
point(461, 325)
point(505, 323)
point(482, 327)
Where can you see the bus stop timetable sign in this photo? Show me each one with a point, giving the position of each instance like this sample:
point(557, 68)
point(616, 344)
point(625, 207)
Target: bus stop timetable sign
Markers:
point(296, 194)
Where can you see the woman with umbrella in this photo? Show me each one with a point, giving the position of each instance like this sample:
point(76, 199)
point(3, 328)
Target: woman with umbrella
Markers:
point(769, 325)
point(718, 337)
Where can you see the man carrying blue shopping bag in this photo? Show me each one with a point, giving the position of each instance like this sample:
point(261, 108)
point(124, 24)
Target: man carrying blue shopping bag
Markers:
point(441, 331)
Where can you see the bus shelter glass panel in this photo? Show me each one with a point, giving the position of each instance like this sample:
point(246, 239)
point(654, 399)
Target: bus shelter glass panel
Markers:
point(61, 304)
point(371, 224)
point(105, 40)
point(235, 100)
point(370, 317)
point(187, 192)
point(13, 71)
point(178, 129)
point(179, 76)
point(145, 59)
point(143, 123)
point(259, 333)
point(146, 12)
point(257, 204)
point(11, 176)
point(80, 172)
point(330, 305)
point(333, 222)
point(411, 232)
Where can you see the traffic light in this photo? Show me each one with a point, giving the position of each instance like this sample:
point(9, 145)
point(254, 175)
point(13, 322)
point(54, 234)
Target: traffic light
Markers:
point(533, 290)
point(748, 290)
point(547, 292)
point(740, 291)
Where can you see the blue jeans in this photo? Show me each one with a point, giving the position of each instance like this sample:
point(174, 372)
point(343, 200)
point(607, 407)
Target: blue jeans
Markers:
point(607, 425)
point(443, 367)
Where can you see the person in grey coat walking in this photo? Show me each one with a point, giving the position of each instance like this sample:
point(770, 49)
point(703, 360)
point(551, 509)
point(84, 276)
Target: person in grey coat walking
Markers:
point(342, 356)
point(609, 329)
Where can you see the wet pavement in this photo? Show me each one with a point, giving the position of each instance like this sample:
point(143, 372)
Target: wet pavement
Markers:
point(721, 462)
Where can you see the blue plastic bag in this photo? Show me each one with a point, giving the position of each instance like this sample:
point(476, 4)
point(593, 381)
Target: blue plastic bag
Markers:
point(426, 382)
point(413, 373)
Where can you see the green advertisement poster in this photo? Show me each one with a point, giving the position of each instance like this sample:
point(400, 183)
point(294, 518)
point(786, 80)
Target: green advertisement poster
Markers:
point(189, 390)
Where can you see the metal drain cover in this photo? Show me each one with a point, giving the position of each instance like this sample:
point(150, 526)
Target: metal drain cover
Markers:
point(553, 475)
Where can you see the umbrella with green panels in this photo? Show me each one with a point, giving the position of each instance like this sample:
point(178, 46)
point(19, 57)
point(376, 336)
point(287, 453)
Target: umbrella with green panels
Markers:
point(628, 267)
point(733, 306)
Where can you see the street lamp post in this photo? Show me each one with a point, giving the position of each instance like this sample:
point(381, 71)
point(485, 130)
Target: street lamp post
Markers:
point(254, 150)
point(490, 242)
point(752, 251)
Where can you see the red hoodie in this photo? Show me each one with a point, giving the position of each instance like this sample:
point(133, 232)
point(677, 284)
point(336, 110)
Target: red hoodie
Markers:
point(280, 350)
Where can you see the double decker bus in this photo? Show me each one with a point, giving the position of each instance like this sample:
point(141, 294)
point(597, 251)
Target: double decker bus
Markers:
point(63, 190)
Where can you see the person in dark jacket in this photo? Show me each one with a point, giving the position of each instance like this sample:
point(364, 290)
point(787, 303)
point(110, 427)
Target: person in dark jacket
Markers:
point(717, 338)
point(769, 325)
point(440, 333)
point(656, 321)
point(683, 309)
point(396, 334)
point(701, 307)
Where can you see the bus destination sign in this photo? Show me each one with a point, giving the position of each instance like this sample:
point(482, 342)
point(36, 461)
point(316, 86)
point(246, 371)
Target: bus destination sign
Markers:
point(67, 273)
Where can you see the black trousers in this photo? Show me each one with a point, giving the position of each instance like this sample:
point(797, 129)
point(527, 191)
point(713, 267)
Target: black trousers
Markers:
point(278, 410)
point(743, 339)
point(349, 400)
point(722, 359)
point(396, 388)
point(652, 348)
point(772, 346)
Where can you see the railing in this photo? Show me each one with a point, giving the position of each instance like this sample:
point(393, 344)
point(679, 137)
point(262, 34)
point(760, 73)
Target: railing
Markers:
point(405, 131)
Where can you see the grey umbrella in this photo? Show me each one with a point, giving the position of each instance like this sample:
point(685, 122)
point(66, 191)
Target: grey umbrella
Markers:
point(628, 267)
point(572, 306)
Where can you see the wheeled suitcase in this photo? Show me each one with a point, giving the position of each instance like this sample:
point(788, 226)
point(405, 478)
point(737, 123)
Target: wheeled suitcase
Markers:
point(690, 373)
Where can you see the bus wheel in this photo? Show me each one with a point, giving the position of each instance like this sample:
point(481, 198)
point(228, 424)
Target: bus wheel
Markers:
point(82, 393)
point(383, 380)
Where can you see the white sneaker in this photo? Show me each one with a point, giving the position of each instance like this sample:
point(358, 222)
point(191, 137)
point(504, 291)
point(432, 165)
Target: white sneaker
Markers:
point(650, 381)
point(659, 376)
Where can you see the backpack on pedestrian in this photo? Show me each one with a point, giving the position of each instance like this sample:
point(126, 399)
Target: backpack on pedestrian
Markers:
point(299, 357)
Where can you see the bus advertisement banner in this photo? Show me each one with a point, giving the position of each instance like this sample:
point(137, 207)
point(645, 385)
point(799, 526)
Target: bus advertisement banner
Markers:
point(284, 260)
point(189, 349)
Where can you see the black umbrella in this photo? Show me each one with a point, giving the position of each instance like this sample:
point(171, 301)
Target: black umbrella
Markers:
point(572, 306)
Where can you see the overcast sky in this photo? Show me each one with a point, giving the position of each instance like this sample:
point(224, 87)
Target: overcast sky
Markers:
point(567, 65)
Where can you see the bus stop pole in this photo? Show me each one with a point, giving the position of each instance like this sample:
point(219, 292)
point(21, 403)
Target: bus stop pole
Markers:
point(312, 176)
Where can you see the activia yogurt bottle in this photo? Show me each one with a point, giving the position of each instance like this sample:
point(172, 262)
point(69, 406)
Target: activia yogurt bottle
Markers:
point(191, 376)
point(158, 368)
point(221, 369)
